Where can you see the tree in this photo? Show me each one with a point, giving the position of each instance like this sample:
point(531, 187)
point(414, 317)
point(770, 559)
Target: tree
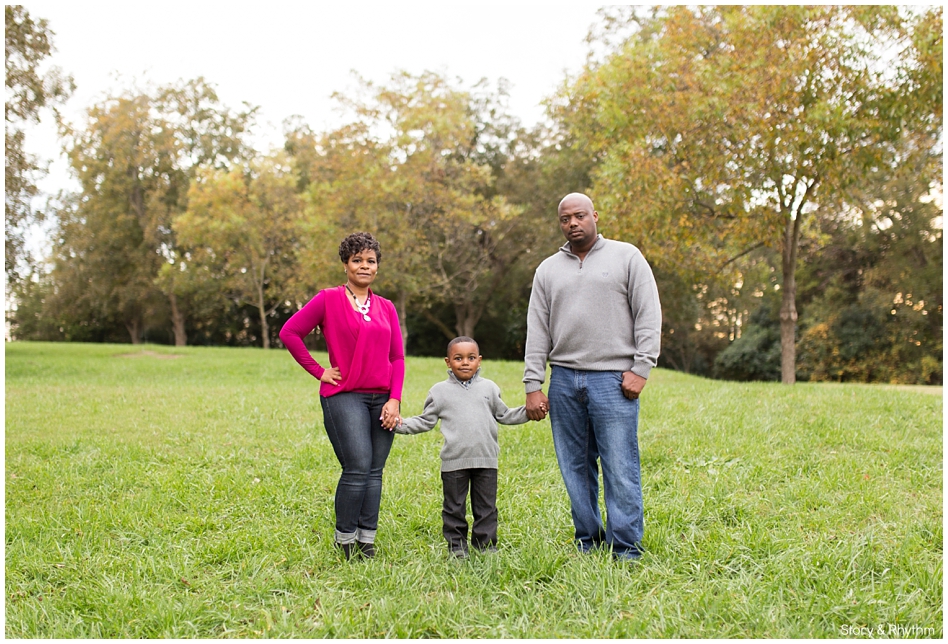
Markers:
point(416, 167)
point(206, 134)
point(28, 44)
point(135, 158)
point(721, 130)
point(247, 219)
point(107, 246)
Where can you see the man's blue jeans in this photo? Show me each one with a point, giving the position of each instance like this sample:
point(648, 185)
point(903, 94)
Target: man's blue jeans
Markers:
point(592, 420)
point(362, 445)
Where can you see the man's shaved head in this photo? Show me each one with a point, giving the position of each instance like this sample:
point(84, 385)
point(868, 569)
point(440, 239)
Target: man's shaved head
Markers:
point(576, 198)
point(578, 219)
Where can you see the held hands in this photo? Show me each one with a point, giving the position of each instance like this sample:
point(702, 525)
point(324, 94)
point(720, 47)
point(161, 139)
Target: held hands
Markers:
point(537, 405)
point(632, 385)
point(331, 376)
point(391, 418)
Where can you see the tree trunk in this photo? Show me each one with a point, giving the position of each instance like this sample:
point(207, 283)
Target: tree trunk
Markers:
point(177, 320)
point(403, 316)
point(135, 330)
point(466, 316)
point(788, 335)
point(261, 305)
point(264, 329)
point(788, 306)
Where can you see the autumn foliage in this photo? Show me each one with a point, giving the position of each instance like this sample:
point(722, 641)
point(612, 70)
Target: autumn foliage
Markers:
point(779, 166)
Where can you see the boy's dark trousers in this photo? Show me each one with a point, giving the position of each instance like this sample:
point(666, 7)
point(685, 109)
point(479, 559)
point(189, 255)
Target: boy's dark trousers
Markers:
point(482, 483)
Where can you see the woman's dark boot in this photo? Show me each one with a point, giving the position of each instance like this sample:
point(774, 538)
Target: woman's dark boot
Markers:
point(346, 549)
point(367, 549)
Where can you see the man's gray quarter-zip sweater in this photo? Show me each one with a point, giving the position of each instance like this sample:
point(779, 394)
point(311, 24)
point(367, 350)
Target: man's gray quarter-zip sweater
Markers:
point(601, 313)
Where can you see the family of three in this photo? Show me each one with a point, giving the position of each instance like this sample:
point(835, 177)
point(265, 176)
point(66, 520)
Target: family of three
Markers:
point(594, 315)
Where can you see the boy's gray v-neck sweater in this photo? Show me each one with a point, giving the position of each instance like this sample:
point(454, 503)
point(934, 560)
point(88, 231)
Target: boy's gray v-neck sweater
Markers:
point(469, 415)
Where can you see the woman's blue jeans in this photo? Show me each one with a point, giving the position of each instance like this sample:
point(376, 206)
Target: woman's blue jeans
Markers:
point(362, 445)
point(592, 420)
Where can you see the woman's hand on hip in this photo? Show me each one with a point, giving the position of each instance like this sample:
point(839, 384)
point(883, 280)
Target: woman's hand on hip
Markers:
point(390, 415)
point(331, 376)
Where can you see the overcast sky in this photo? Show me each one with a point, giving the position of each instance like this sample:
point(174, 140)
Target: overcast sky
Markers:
point(289, 57)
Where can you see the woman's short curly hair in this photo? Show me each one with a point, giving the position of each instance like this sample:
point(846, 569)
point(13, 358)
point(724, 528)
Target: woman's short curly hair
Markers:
point(358, 242)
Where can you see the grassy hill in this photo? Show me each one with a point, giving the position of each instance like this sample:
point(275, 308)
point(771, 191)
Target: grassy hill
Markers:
point(187, 492)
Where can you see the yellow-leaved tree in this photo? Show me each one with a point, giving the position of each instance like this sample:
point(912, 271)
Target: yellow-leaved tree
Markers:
point(721, 129)
point(245, 222)
point(413, 167)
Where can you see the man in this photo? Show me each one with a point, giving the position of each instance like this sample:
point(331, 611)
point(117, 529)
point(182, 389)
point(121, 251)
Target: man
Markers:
point(595, 314)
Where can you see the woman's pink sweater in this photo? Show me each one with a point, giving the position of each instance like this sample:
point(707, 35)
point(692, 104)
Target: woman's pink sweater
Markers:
point(369, 354)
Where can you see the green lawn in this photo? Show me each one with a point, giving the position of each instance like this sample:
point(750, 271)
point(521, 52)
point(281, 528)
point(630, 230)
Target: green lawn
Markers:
point(187, 492)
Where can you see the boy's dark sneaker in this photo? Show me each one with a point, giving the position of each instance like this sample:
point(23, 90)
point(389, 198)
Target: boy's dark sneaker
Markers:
point(367, 550)
point(459, 553)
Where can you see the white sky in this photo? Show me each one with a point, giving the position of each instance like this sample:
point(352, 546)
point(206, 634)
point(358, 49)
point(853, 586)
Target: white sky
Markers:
point(289, 57)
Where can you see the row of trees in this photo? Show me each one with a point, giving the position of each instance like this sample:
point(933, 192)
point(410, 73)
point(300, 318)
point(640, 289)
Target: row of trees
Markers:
point(179, 221)
point(777, 169)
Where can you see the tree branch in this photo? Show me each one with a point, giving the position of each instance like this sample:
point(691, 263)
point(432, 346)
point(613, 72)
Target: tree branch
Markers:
point(741, 254)
point(448, 333)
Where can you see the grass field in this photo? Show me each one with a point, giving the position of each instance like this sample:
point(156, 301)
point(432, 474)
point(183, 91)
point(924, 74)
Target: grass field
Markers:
point(187, 492)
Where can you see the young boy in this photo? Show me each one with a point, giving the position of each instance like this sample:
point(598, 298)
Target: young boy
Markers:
point(469, 408)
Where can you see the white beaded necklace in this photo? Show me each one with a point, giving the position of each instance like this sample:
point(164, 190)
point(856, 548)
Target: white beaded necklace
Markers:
point(363, 308)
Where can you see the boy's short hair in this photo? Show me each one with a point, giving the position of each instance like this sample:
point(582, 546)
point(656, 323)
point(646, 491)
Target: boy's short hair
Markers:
point(459, 340)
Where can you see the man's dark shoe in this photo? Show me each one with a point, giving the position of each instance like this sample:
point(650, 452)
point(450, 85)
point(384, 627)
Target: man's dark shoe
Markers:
point(459, 553)
point(631, 555)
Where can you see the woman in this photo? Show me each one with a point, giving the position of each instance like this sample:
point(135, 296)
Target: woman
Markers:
point(361, 390)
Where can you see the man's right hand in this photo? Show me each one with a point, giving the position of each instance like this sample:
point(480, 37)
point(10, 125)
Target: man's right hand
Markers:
point(331, 376)
point(537, 405)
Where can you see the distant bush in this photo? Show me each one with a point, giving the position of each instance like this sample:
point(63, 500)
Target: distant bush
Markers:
point(756, 354)
point(873, 340)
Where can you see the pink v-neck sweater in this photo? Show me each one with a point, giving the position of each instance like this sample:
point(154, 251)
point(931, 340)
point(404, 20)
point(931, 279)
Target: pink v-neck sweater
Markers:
point(369, 354)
